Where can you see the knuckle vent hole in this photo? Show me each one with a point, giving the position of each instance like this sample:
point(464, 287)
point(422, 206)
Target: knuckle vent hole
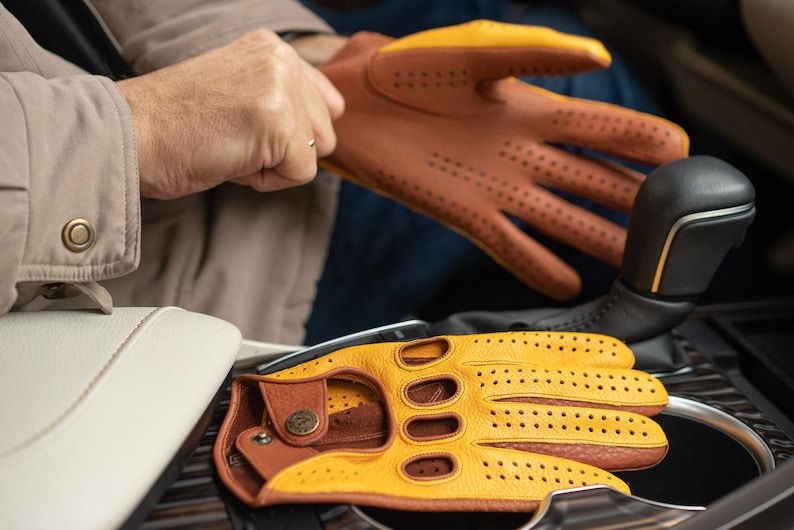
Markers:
point(426, 428)
point(431, 391)
point(425, 351)
point(430, 467)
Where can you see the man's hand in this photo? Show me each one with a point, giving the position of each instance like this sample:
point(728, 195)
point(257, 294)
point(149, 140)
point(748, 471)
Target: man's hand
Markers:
point(252, 112)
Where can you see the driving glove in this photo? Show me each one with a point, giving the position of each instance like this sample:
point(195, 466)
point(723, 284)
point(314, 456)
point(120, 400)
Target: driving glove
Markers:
point(489, 422)
point(438, 121)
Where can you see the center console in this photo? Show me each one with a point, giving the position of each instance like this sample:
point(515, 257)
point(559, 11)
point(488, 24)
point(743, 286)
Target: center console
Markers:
point(728, 369)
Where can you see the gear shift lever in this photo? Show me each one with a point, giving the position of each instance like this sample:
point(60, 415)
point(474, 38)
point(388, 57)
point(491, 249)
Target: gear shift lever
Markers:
point(686, 218)
point(687, 215)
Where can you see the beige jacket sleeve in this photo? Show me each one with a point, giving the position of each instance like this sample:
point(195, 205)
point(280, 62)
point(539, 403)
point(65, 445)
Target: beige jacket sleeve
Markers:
point(157, 33)
point(67, 153)
point(67, 146)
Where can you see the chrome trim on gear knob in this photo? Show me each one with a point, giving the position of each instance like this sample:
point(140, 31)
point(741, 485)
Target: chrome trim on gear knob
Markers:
point(681, 223)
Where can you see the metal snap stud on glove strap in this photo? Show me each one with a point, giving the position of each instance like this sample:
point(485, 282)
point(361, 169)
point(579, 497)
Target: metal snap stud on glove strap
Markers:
point(437, 121)
point(490, 422)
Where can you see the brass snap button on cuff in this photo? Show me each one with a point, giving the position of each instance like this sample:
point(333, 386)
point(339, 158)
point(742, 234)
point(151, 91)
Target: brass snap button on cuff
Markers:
point(54, 291)
point(302, 422)
point(78, 235)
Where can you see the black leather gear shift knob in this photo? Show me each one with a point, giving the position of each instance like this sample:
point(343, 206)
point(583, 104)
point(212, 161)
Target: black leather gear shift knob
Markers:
point(687, 215)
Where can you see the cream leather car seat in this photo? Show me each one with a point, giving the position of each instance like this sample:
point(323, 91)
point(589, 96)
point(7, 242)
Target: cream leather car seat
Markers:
point(95, 407)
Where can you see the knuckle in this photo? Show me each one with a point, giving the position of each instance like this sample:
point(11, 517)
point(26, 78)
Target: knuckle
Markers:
point(272, 108)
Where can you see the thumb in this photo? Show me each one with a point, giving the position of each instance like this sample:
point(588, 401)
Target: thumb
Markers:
point(442, 68)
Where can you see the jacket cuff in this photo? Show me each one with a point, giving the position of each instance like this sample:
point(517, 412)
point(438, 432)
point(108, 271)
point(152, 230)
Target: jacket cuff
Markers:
point(75, 171)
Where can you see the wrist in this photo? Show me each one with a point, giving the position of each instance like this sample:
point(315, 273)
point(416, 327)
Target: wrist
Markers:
point(136, 95)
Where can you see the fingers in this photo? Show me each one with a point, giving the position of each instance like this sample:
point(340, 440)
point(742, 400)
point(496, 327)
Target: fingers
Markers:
point(529, 261)
point(599, 387)
point(611, 440)
point(293, 170)
point(334, 101)
point(599, 180)
point(538, 474)
point(603, 127)
point(324, 103)
point(586, 350)
point(315, 105)
point(571, 224)
point(297, 165)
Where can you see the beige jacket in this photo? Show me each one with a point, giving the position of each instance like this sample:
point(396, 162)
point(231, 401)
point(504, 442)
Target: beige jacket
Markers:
point(67, 152)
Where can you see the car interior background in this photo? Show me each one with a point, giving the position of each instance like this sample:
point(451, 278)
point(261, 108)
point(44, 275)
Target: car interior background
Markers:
point(722, 69)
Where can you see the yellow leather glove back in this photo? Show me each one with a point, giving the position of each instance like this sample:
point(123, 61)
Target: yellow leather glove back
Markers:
point(490, 422)
point(437, 121)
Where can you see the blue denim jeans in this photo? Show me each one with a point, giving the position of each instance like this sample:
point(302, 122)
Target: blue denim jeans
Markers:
point(385, 261)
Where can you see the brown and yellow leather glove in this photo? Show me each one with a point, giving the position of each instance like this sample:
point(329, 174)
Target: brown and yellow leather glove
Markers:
point(490, 422)
point(437, 121)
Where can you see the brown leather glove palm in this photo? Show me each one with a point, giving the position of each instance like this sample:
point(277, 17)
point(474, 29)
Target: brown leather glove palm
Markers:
point(437, 121)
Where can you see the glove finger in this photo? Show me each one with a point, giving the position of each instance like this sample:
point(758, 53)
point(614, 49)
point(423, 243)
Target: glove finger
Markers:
point(615, 441)
point(515, 474)
point(442, 68)
point(525, 349)
point(596, 125)
point(524, 257)
point(461, 477)
point(598, 387)
point(482, 45)
point(571, 224)
point(320, 110)
point(533, 348)
point(483, 352)
point(600, 180)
